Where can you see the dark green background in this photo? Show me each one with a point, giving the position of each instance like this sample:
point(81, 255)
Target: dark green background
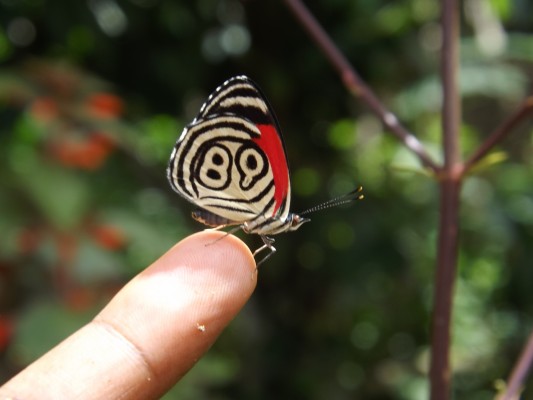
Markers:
point(342, 310)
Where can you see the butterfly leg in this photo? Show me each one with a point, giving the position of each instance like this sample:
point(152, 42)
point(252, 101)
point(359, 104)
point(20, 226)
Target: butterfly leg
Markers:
point(268, 241)
point(218, 228)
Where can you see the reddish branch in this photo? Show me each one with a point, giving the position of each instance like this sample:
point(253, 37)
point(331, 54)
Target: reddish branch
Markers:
point(451, 108)
point(440, 370)
point(450, 186)
point(525, 110)
point(514, 384)
point(355, 84)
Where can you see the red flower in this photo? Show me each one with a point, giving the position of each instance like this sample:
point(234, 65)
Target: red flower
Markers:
point(108, 236)
point(105, 105)
point(6, 331)
point(29, 239)
point(89, 153)
point(44, 108)
point(79, 298)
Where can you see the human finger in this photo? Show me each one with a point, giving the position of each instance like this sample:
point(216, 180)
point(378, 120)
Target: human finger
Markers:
point(153, 331)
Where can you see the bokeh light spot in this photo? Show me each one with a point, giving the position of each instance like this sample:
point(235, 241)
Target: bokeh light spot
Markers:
point(306, 181)
point(364, 335)
point(109, 17)
point(21, 32)
point(350, 375)
point(311, 255)
point(235, 40)
point(342, 134)
point(341, 235)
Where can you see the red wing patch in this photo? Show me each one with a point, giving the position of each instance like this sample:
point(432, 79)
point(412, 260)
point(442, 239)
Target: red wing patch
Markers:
point(270, 143)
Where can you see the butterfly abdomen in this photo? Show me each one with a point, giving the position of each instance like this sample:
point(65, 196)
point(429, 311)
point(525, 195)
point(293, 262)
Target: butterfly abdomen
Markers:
point(210, 219)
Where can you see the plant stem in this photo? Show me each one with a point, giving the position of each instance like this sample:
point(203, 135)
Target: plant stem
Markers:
point(520, 370)
point(451, 110)
point(450, 187)
point(356, 85)
point(440, 369)
point(525, 109)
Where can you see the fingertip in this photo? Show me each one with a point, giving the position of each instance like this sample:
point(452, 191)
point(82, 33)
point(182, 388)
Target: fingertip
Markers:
point(225, 258)
point(219, 247)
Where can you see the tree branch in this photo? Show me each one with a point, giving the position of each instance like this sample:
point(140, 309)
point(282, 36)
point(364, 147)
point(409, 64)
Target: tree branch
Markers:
point(450, 186)
point(525, 109)
point(355, 84)
point(516, 379)
point(451, 109)
point(440, 371)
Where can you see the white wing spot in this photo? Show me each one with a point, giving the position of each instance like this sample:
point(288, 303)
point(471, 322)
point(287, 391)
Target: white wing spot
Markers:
point(183, 133)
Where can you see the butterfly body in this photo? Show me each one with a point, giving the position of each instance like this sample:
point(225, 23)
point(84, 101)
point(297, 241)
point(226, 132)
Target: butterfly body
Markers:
point(230, 162)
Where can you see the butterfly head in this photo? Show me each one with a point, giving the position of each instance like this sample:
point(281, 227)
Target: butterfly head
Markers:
point(295, 221)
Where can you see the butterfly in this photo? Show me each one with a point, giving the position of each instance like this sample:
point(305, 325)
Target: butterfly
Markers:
point(230, 162)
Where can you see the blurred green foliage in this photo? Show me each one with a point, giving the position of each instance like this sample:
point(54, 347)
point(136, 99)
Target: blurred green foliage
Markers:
point(93, 96)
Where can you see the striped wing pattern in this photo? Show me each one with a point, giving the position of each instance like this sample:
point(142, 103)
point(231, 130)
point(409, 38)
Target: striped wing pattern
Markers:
point(230, 161)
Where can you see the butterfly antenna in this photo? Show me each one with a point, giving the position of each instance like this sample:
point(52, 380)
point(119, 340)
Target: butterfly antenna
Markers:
point(337, 201)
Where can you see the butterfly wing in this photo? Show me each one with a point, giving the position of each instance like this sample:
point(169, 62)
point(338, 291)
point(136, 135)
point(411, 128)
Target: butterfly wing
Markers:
point(231, 159)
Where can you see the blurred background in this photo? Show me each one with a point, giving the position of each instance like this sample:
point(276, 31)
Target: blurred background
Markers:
point(93, 95)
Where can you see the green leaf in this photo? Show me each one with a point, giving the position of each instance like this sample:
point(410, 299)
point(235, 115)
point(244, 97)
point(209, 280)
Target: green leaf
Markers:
point(95, 264)
point(306, 181)
point(41, 327)
point(342, 134)
point(160, 134)
point(60, 195)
